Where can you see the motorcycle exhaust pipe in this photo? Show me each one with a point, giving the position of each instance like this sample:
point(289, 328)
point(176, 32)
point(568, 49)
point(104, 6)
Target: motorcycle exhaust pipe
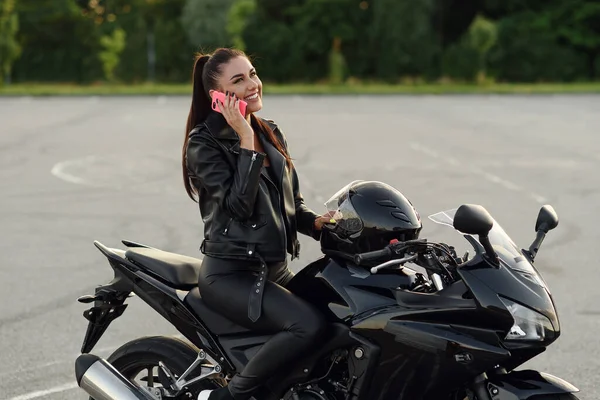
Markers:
point(102, 381)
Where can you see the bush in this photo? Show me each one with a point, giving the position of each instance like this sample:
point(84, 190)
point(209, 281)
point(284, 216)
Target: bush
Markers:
point(59, 43)
point(527, 51)
point(174, 54)
point(404, 40)
point(112, 47)
point(206, 23)
point(296, 45)
point(466, 59)
point(461, 61)
point(237, 19)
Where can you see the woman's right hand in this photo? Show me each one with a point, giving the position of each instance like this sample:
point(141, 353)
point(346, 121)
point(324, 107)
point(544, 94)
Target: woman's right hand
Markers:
point(234, 117)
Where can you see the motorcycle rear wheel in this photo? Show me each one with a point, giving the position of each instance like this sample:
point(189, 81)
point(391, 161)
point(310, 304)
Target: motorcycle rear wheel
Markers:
point(143, 354)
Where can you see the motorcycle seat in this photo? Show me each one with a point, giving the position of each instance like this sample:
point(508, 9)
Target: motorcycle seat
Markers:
point(178, 270)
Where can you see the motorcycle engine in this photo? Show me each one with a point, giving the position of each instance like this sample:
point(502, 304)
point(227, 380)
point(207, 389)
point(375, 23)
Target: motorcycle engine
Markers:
point(331, 385)
point(312, 393)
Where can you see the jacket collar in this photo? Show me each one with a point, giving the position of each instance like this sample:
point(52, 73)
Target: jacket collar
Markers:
point(218, 127)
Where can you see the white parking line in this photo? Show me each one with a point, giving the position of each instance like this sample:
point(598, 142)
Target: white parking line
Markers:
point(42, 393)
point(66, 386)
point(20, 371)
point(59, 170)
point(55, 389)
point(99, 351)
point(477, 171)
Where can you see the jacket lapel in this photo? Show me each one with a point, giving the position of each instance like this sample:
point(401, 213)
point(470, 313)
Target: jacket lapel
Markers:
point(275, 157)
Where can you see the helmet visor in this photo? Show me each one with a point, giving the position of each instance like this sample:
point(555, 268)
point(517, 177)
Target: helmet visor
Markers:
point(340, 208)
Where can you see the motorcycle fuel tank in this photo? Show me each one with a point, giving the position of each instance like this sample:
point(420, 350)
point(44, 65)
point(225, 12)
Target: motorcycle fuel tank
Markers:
point(343, 290)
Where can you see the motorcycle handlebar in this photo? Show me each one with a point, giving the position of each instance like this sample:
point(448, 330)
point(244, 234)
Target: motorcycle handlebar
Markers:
point(372, 255)
point(396, 250)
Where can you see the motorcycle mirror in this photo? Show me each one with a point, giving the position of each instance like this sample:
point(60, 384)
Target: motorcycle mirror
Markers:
point(547, 219)
point(474, 219)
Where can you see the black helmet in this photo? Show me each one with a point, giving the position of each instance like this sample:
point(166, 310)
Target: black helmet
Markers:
point(368, 215)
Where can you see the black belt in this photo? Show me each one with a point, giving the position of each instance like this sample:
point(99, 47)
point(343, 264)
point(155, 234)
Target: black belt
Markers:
point(258, 289)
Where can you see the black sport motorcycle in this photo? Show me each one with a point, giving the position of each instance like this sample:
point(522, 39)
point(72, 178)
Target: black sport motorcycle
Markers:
point(458, 330)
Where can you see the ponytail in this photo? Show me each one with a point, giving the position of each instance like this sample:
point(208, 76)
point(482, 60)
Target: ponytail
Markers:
point(199, 110)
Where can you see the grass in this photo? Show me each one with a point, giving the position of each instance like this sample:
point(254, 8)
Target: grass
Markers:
point(46, 89)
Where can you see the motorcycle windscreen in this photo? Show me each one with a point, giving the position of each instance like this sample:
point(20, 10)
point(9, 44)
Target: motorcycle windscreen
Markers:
point(508, 252)
point(517, 286)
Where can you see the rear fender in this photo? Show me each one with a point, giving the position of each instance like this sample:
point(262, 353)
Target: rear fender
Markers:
point(165, 300)
point(108, 299)
point(522, 385)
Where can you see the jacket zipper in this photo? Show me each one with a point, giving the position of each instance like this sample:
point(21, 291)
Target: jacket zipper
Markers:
point(248, 173)
point(282, 221)
point(280, 213)
point(227, 227)
point(282, 216)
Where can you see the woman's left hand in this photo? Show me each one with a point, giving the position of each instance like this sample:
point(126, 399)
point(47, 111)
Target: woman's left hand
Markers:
point(324, 219)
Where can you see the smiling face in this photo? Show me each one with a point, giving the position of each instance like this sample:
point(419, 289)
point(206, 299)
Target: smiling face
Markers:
point(238, 76)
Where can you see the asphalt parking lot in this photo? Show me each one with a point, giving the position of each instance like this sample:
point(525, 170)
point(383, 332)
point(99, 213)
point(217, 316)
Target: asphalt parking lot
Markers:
point(75, 170)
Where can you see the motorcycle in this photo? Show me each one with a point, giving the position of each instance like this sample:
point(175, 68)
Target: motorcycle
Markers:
point(458, 330)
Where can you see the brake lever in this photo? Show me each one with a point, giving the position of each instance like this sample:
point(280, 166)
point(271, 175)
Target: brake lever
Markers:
point(393, 262)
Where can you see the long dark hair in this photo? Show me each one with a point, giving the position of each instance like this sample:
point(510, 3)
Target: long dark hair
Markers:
point(206, 72)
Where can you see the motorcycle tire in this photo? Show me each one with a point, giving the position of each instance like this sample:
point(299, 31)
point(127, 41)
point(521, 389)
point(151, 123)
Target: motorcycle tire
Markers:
point(143, 354)
point(566, 396)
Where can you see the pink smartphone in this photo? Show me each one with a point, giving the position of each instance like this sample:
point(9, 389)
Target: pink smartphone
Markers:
point(221, 96)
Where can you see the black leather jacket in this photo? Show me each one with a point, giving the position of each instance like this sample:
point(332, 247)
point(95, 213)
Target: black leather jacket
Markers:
point(240, 218)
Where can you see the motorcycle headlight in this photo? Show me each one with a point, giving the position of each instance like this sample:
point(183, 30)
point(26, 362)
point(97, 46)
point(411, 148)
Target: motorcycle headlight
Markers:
point(528, 325)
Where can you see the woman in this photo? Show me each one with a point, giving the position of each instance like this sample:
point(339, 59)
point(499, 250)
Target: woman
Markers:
point(240, 169)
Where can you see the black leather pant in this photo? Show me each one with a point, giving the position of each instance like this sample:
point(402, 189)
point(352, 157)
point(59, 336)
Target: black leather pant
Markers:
point(225, 286)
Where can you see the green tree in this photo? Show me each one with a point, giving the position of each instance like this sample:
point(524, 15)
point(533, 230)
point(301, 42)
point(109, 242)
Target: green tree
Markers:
point(10, 49)
point(527, 51)
point(319, 24)
point(482, 37)
point(174, 52)
point(237, 19)
point(156, 46)
point(206, 23)
point(404, 39)
point(293, 43)
point(113, 45)
point(461, 61)
point(578, 25)
point(60, 42)
point(337, 63)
